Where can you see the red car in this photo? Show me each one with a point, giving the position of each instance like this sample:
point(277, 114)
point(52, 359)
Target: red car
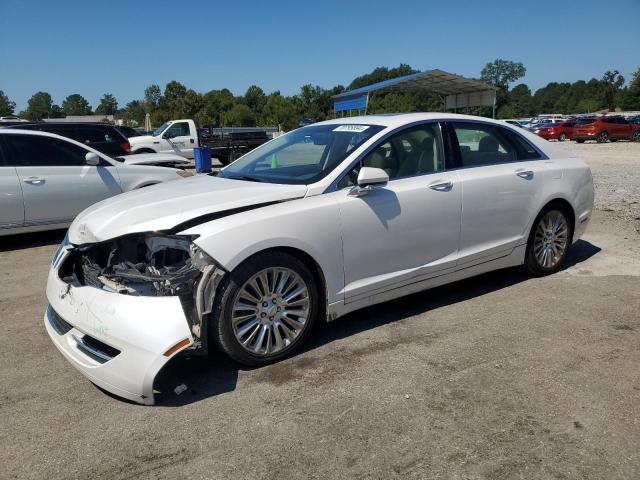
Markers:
point(556, 131)
point(603, 129)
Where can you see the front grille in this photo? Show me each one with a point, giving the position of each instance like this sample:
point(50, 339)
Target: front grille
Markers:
point(59, 325)
point(95, 349)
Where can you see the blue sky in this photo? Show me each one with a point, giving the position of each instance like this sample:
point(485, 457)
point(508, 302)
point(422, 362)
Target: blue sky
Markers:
point(92, 47)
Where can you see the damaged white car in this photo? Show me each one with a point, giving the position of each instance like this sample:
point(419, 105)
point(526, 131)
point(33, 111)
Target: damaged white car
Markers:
point(314, 224)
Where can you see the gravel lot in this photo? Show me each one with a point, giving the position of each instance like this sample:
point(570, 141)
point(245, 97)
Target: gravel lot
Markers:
point(496, 377)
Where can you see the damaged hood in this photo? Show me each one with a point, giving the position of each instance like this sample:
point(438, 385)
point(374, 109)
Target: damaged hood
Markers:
point(163, 206)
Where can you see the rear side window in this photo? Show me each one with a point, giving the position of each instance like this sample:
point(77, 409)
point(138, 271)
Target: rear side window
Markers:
point(524, 150)
point(37, 151)
point(483, 144)
point(90, 135)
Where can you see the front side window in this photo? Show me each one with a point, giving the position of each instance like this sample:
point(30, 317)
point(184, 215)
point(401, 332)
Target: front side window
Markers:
point(411, 152)
point(302, 156)
point(180, 129)
point(36, 151)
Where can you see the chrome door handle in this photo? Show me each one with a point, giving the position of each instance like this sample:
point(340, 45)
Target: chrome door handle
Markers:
point(524, 173)
point(440, 186)
point(34, 180)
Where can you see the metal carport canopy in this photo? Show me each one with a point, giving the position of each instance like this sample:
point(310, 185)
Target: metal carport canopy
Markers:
point(457, 91)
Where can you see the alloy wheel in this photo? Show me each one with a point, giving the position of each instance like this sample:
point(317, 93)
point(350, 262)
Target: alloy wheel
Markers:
point(636, 136)
point(602, 137)
point(270, 311)
point(551, 239)
point(563, 137)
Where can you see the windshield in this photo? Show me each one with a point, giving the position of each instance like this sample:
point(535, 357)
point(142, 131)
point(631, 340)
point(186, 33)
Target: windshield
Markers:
point(160, 129)
point(302, 156)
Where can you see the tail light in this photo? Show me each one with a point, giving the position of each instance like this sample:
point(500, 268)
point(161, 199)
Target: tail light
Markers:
point(126, 146)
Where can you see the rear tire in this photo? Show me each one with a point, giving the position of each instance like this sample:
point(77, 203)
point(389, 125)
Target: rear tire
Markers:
point(549, 240)
point(258, 318)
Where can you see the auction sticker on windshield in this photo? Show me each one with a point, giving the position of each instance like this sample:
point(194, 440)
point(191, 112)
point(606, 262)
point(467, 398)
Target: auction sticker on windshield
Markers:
point(351, 128)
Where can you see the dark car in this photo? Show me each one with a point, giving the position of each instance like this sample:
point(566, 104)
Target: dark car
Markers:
point(306, 121)
point(127, 131)
point(104, 138)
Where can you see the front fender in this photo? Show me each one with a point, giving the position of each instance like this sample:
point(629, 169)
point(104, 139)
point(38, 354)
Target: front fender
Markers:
point(310, 224)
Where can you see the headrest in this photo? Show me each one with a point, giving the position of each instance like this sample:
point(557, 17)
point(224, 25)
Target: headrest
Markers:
point(488, 144)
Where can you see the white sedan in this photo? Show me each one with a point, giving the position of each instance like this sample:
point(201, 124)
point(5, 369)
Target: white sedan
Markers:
point(46, 179)
point(324, 220)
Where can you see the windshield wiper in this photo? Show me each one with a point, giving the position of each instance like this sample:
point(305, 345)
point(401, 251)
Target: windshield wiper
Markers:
point(247, 178)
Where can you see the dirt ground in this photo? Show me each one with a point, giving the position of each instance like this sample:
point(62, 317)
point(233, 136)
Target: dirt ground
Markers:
point(497, 377)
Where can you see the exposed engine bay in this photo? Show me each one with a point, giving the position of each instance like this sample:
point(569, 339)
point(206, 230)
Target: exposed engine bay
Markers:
point(148, 264)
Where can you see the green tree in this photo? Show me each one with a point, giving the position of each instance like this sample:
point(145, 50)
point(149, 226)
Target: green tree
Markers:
point(108, 105)
point(500, 73)
point(172, 101)
point(255, 99)
point(239, 116)
point(76, 104)
point(39, 106)
point(520, 102)
point(215, 103)
point(280, 111)
point(7, 107)
point(56, 111)
point(381, 73)
point(192, 103)
point(152, 95)
point(632, 97)
point(612, 81)
point(134, 113)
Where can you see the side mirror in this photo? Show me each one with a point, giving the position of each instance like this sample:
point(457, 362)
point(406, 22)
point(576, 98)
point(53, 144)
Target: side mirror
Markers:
point(368, 179)
point(92, 159)
point(166, 135)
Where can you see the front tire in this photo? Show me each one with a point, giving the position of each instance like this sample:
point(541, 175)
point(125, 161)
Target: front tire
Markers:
point(636, 136)
point(549, 241)
point(562, 137)
point(265, 309)
point(603, 137)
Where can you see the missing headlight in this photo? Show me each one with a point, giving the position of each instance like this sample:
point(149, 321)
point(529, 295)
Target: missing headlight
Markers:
point(143, 264)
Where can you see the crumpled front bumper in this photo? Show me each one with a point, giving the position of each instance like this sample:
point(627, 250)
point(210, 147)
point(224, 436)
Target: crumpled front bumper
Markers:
point(117, 341)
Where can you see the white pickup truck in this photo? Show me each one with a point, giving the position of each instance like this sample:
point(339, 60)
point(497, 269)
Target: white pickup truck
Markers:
point(176, 136)
point(181, 136)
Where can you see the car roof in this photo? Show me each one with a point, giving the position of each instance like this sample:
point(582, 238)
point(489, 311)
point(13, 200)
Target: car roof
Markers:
point(70, 124)
point(399, 119)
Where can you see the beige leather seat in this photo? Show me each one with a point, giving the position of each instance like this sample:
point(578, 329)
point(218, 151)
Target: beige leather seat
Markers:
point(378, 159)
point(421, 160)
